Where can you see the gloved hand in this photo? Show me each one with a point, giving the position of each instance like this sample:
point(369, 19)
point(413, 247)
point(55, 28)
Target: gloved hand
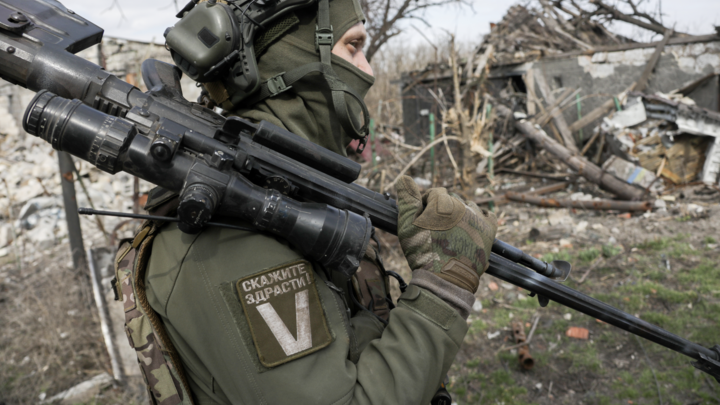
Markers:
point(443, 235)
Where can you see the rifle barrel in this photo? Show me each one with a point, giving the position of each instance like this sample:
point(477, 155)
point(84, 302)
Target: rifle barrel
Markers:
point(520, 276)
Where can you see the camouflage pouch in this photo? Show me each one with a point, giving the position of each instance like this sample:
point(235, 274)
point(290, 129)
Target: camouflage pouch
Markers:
point(371, 284)
point(157, 358)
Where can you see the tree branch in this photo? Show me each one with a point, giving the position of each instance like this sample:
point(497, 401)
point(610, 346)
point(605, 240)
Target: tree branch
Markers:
point(617, 14)
point(383, 17)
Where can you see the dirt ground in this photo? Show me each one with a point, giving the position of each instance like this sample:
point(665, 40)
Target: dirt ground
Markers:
point(662, 266)
point(50, 338)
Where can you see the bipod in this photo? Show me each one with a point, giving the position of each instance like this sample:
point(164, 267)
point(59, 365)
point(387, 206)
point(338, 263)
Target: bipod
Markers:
point(709, 365)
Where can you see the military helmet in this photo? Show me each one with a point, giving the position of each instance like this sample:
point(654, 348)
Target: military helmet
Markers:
point(215, 42)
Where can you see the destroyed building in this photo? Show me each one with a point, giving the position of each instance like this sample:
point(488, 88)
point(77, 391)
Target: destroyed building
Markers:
point(565, 71)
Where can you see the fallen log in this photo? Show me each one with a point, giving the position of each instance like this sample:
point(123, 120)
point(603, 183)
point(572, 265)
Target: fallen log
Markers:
point(539, 176)
point(502, 199)
point(597, 205)
point(585, 168)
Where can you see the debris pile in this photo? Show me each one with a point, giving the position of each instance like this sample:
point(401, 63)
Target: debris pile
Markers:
point(552, 94)
point(669, 136)
point(527, 33)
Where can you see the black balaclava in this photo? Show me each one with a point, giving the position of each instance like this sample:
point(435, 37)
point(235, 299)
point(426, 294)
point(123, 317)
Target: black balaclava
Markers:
point(307, 108)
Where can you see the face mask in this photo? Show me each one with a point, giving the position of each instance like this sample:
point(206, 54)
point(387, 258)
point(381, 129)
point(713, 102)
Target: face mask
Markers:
point(307, 108)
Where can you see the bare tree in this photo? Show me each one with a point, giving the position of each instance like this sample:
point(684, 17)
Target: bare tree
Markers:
point(116, 4)
point(597, 13)
point(383, 17)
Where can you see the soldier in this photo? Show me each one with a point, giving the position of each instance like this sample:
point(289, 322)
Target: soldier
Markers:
point(235, 317)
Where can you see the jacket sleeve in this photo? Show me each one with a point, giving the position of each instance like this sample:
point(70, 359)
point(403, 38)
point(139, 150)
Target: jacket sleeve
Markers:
point(407, 364)
point(192, 286)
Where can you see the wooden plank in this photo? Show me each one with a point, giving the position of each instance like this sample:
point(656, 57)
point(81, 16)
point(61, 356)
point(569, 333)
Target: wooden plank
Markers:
point(502, 199)
point(643, 80)
point(532, 100)
point(557, 108)
point(558, 119)
point(483, 61)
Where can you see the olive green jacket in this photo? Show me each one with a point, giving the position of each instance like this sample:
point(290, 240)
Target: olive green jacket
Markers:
point(208, 291)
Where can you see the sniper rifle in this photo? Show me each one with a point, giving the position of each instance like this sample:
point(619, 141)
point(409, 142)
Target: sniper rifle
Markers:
point(263, 174)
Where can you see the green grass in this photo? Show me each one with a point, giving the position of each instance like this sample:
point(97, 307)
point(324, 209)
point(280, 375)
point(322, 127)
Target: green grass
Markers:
point(609, 251)
point(477, 326)
point(584, 357)
point(655, 244)
point(561, 255)
point(584, 256)
point(502, 388)
point(678, 250)
point(588, 256)
point(472, 363)
point(684, 301)
point(704, 278)
point(501, 317)
point(529, 302)
point(498, 387)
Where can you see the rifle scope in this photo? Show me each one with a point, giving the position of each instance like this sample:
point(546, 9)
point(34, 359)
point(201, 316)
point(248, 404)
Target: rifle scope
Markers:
point(334, 238)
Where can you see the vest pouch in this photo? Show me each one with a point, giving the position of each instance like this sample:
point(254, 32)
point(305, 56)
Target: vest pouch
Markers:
point(159, 364)
point(162, 385)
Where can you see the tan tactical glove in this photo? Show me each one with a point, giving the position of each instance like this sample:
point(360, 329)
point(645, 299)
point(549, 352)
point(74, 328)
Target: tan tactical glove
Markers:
point(441, 234)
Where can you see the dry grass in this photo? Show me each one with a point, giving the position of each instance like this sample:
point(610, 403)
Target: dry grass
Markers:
point(389, 64)
point(50, 337)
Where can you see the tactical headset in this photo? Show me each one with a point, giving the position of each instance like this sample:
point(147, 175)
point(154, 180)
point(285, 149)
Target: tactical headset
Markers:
point(213, 43)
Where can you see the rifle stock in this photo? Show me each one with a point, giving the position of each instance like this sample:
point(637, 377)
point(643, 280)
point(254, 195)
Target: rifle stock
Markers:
point(261, 173)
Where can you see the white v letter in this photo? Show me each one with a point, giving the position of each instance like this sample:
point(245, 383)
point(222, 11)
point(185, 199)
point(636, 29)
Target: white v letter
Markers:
point(302, 317)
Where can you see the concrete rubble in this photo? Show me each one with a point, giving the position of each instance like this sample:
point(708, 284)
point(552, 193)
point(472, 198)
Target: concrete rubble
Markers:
point(676, 140)
point(554, 93)
point(84, 392)
point(31, 210)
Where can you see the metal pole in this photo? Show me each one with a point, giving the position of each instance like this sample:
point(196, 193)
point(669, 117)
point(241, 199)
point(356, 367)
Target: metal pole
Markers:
point(105, 324)
point(71, 210)
point(432, 150)
point(372, 141)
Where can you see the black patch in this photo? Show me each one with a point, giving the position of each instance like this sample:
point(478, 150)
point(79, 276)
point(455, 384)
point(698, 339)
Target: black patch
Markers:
point(207, 37)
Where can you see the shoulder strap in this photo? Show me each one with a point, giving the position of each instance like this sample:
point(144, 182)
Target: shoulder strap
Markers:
point(324, 32)
point(324, 41)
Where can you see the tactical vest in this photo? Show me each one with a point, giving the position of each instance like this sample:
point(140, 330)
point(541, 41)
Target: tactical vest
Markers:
point(159, 362)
